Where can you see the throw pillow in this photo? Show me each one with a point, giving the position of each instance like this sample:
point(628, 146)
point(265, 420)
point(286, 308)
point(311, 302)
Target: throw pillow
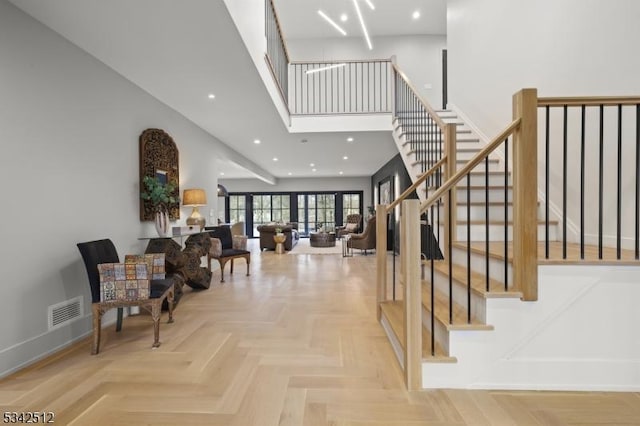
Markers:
point(350, 227)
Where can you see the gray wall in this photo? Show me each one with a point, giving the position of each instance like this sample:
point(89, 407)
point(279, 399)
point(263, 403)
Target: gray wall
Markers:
point(69, 129)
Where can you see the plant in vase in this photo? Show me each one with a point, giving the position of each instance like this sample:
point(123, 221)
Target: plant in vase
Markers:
point(160, 195)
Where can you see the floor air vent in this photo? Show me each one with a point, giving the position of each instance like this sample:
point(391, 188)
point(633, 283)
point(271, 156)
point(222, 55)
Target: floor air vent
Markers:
point(65, 312)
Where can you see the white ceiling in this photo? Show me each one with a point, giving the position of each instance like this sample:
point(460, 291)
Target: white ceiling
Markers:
point(300, 19)
point(180, 51)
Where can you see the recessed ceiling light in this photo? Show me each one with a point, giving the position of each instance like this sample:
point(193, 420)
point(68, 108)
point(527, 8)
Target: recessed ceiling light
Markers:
point(340, 173)
point(256, 141)
point(332, 22)
point(349, 139)
point(312, 165)
point(211, 96)
point(370, 4)
point(345, 158)
point(364, 27)
point(344, 17)
point(275, 158)
point(313, 170)
point(416, 14)
point(289, 173)
point(221, 173)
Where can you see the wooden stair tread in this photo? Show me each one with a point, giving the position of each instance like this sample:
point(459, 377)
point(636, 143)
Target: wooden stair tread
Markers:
point(478, 280)
point(496, 251)
point(393, 311)
point(500, 222)
point(441, 306)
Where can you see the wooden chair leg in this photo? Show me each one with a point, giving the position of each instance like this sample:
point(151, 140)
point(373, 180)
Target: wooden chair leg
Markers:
point(119, 320)
point(248, 259)
point(170, 298)
point(97, 320)
point(156, 308)
point(222, 263)
point(232, 266)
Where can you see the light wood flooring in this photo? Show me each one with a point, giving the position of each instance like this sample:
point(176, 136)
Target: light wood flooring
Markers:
point(296, 343)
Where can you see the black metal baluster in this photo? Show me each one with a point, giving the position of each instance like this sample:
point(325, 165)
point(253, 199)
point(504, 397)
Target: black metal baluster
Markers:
point(433, 293)
point(469, 248)
point(601, 181)
point(506, 214)
point(546, 184)
point(637, 218)
point(450, 260)
point(619, 198)
point(564, 183)
point(582, 176)
point(486, 219)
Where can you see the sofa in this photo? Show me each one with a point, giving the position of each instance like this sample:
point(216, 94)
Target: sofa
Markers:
point(267, 231)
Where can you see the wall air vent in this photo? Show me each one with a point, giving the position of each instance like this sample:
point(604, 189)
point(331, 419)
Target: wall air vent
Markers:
point(64, 313)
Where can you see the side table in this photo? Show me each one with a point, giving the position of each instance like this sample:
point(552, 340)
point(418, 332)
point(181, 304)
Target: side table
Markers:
point(279, 240)
point(346, 250)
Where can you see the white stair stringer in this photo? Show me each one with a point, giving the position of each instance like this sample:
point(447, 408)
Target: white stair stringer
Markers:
point(465, 139)
point(577, 336)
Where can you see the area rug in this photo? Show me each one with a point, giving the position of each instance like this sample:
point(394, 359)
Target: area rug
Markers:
point(303, 247)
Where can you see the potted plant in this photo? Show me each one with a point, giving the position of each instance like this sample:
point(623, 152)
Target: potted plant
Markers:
point(160, 195)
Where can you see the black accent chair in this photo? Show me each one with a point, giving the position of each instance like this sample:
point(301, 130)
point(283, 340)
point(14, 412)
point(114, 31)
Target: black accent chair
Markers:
point(225, 247)
point(103, 251)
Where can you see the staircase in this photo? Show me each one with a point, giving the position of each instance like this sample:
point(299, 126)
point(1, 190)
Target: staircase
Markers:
point(476, 330)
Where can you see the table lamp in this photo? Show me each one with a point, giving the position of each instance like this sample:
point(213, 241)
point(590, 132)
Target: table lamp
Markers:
point(195, 198)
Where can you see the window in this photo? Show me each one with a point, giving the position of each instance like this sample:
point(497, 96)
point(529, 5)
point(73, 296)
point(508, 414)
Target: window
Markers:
point(270, 208)
point(350, 204)
point(315, 211)
point(237, 208)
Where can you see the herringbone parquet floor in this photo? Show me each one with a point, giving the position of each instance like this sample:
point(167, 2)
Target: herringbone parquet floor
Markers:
point(296, 343)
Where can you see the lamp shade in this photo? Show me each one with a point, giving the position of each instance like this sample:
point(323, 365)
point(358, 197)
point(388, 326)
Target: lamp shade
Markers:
point(194, 197)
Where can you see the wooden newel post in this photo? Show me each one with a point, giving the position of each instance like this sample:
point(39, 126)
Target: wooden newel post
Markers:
point(525, 194)
point(410, 250)
point(381, 257)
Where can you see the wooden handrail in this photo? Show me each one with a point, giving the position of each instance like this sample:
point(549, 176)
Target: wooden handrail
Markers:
point(588, 101)
point(495, 142)
point(416, 184)
point(347, 61)
point(434, 115)
point(284, 44)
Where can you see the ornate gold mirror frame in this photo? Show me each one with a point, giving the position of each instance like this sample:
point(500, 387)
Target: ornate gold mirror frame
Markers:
point(159, 159)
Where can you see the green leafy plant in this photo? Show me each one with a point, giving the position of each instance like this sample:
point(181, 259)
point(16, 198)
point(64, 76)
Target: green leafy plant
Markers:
point(278, 230)
point(158, 193)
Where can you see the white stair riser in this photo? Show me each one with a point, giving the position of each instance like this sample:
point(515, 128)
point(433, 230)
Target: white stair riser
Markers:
point(493, 166)
point(441, 334)
point(461, 155)
point(496, 232)
point(478, 305)
point(478, 195)
point(477, 212)
point(478, 264)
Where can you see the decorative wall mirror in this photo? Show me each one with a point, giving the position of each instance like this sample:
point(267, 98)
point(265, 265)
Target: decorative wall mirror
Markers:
point(159, 159)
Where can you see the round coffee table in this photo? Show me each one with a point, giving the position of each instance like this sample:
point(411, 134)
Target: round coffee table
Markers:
point(322, 239)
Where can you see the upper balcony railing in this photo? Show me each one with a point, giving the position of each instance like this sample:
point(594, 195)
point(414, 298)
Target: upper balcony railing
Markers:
point(340, 87)
point(277, 56)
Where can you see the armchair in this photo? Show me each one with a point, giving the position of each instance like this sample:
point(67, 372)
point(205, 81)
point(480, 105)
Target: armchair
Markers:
point(112, 285)
point(225, 247)
point(351, 225)
point(367, 239)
